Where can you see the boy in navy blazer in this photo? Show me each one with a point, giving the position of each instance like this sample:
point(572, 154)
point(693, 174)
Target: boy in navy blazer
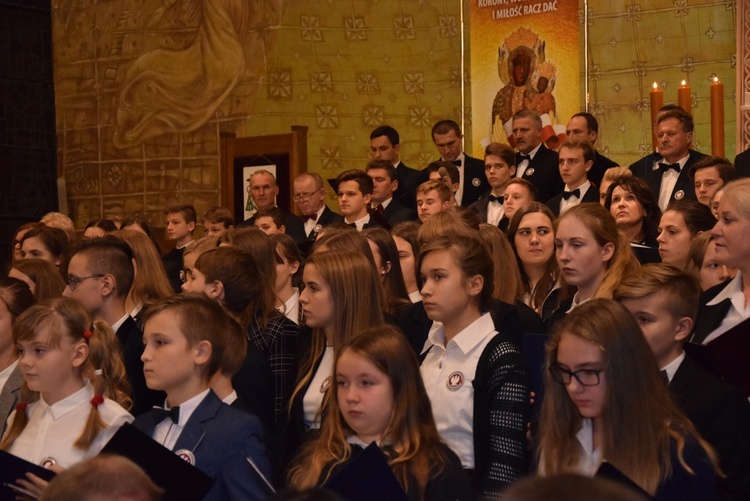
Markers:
point(664, 301)
point(184, 347)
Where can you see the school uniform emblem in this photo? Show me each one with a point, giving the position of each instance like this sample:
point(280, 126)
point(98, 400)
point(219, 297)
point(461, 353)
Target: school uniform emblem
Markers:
point(476, 182)
point(529, 172)
point(679, 195)
point(47, 462)
point(187, 456)
point(455, 381)
point(325, 384)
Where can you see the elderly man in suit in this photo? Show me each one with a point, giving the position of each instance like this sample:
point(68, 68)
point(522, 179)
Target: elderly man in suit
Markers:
point(309, 193)
point(534, 161)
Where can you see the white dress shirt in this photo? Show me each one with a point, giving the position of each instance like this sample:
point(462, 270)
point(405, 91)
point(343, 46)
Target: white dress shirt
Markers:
point(524, 164)
point(668, 180)
point(565, 205)
point(453, 408)
point(322, 380)
point(52, 429)
point(291, 307)
point(359, 223)
point(495, 212)
point(737, 311)
point(167, 432)
point(311, 224)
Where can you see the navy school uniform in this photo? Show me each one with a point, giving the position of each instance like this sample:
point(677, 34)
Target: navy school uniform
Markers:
point(221, 438)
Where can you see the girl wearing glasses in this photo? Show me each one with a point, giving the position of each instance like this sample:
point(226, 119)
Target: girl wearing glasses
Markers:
point(605, 402)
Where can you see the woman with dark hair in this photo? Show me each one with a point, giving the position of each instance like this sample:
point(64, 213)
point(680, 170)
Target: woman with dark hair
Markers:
point(406, 237)
point(18, 237)
point(99, 228)
point(50, 244)
point(632, 204)
point(680, 224)
point(387, 263)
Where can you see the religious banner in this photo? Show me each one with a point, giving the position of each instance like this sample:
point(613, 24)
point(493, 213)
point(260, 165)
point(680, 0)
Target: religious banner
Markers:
point(524, 55)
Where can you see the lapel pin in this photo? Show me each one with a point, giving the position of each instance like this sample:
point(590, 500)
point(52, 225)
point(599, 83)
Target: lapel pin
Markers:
point(187, 456)
point(529, 172)
point(476, 182)
point(455, 381)
point(679, 195)
point(47, 462)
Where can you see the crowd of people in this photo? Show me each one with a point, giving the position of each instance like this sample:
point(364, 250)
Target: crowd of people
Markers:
point(272, 353)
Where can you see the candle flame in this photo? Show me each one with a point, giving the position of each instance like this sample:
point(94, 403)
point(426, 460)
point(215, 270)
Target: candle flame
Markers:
point(655, 86)
point(684, 82)
point(716, 79)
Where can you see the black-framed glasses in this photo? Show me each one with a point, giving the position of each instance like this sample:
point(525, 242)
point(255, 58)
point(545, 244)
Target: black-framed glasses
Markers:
point(73, 280)
point(587, 377)
point(184, 273)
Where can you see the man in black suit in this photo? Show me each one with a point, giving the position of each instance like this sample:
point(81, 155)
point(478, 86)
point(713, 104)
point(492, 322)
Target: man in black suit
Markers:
point(355, 195)
point(310, 194)
point(499, 167)
point(671, 181)
point(664, 301)
point(576, 157)
point(385, 144)
point(385, 209)
point(263, 191)
point(742, 164)
point(584, 126)
point(446, 134)
point(535, 162)
point(101, 274)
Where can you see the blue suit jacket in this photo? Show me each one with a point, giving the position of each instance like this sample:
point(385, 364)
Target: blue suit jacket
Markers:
point(221, 438)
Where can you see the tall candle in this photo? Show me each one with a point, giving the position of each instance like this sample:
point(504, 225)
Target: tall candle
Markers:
point(657, 101)
point(717, 118)
point(683, 97)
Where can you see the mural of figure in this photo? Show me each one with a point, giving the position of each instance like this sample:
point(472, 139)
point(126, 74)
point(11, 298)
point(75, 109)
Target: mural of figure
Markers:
point(518, 90)
point(544, 102)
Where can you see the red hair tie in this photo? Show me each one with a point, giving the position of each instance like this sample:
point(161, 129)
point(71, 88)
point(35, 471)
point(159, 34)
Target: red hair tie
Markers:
point(97, 400)
point(21, 407)
point(87, 335)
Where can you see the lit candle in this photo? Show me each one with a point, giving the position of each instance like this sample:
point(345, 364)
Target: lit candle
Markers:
point(683, 97)
point(657, 101)
point(717, 118)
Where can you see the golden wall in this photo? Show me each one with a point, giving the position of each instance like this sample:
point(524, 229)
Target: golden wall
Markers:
point(144, 88)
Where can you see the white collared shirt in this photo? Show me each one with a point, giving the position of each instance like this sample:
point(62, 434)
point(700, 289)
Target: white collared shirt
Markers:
point(167, 432)
point(184, 246)
point(229, 399)
point(495, 212)
point(524, 164)
point(119, 323)
point(737, 310)
point(359, 223)
point(460, 193)
point(137, 309)
point(310, 224)
point(384, 203)
point(52, 429)
point(591, 458)
point(291, 307)
point(455, 361)
point(668, 180)
point(5, 374)
point(321, 382)
point(573, 200)
point(415, 296)
point(576, 302)
point(671, 368)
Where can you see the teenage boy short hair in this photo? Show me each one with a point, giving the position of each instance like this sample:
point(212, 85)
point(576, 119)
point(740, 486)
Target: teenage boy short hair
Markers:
point(360, 177)
point(187, 212)
point(218, 215)
point(200, 319)
point(387, 166)
point(682, 289)
point(276, 214)
point(443, 191)
point(109, 255)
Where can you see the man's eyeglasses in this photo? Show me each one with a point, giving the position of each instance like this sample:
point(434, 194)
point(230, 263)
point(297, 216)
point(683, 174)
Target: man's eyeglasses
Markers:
point(587, 377)
point(73, 280)
point(184, 273)
point(302, 197)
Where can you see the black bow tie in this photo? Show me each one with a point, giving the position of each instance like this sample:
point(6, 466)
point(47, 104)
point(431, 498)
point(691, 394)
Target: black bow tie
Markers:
point(353, 225)
point(161, 414)
point(306, 217)
point(665, 167)
point(522, 157)
point(500, 199)
point(575, 193)
point(457, 163)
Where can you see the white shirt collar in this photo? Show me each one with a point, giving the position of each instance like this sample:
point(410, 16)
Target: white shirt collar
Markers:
point(229, 399)
point(672, 366)
point(69, 403)
point(360, 223)
point(384, 203)
point(183, 246)
point(533, 152)
point(119, 323)
point(466, 340)
point(733, 287)
point(583, 187)
point(188, 407)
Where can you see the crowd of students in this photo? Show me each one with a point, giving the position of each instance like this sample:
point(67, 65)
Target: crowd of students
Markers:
point(295, 343)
